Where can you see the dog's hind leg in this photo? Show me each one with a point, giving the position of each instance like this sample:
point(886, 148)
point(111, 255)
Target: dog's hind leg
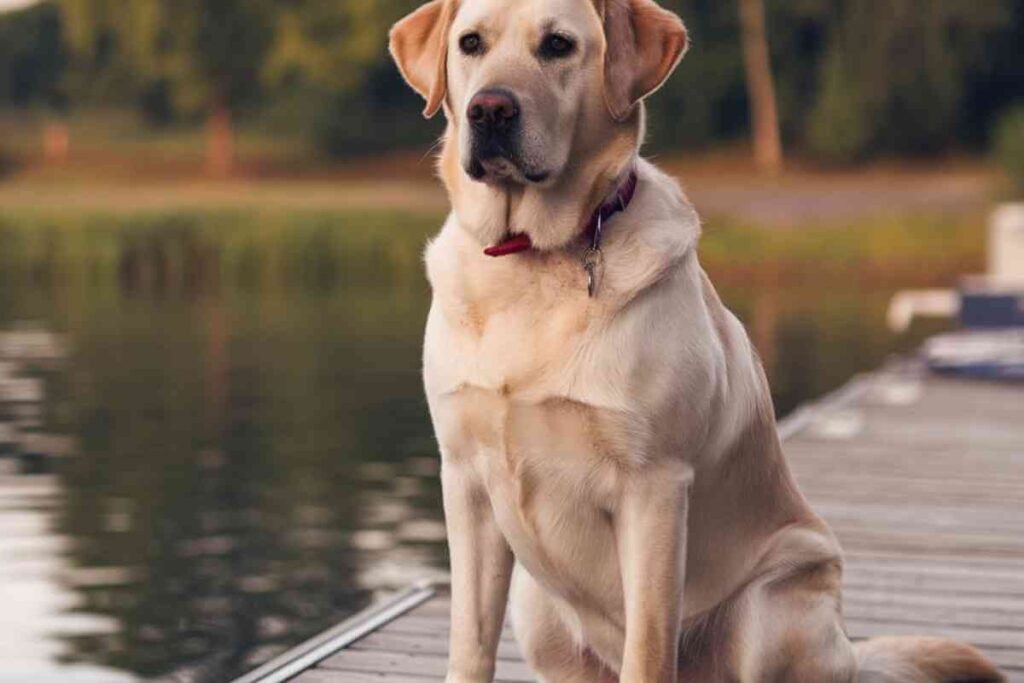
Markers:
point(549, 646)
point(789, 629)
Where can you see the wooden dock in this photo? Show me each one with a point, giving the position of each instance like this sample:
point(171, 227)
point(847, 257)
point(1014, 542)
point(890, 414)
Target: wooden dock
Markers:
point(922, 479)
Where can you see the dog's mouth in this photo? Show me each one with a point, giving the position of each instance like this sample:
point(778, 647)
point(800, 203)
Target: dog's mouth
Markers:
point(501, 170)
point(497, 160)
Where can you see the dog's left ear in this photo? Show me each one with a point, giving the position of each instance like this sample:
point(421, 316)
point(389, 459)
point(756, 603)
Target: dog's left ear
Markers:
point(644, 45)
point(419, 45)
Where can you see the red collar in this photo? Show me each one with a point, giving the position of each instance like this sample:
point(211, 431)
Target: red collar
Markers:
point(520, 242)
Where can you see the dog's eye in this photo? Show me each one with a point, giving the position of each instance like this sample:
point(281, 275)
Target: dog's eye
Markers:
point(556, 46)
point(471, 44)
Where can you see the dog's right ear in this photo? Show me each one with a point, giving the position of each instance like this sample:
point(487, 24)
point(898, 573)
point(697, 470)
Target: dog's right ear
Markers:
point(419, 45)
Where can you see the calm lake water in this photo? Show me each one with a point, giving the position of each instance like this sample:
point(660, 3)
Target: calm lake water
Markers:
point(213, 440)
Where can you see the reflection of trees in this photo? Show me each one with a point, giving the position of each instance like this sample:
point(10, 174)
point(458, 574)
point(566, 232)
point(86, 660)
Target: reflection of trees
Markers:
point(813, 339)
point(224, 418)
point(763, 323)
point(200, 507)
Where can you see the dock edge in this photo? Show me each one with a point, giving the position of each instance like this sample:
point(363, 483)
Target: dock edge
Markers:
point(313, 651)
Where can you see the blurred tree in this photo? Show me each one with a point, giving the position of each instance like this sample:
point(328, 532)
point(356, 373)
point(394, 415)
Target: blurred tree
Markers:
point(32, 64)
point(328, 43)
point(764, 115)
point(32, 58)
point(894, 74)
point(853, 78)
point(996, 80)
point(798, 34)
point(205, 55)
point(706, 99)
point(213, 57)
point(1008, 146)
point(330, 73)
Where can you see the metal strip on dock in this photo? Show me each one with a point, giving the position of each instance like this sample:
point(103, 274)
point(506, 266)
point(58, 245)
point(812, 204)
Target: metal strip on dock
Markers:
point(310, 653)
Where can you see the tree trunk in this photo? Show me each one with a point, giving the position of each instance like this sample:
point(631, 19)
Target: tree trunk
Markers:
point(764, 115)
point(220, 141)
point(56, 142)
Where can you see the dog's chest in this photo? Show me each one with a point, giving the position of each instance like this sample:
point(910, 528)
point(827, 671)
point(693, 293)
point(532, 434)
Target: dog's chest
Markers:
point(521, 328)
point(551, 471)
point(513, 376)
point(513, 380)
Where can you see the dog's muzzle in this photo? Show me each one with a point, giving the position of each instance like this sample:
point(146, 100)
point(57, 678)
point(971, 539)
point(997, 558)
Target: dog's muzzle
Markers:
point(495, 122)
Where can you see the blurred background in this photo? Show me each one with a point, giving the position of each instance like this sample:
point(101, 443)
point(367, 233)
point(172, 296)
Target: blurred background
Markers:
point(213, 442)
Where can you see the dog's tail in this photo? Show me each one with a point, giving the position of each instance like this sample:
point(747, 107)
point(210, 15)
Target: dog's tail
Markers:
point(922, 660)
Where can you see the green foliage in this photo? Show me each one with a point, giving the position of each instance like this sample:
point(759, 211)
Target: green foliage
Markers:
point(352, 123)
point(32, 57)
point(855, 78)
point(840, 127)
point(705, 100)
point(329, 43)
point(198, 52)
point(888, 250)
point(246, 247)
point(1009, 146)
point(895, 75)
point(182, 56)
point(371, 245)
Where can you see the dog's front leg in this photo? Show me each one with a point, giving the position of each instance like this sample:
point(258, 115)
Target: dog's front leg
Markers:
point(481, 568)
point(650, 528)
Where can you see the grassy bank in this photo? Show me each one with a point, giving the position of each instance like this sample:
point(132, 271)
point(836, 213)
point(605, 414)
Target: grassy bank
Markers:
point(290, 244)
point(185, 249)
point(919, 249)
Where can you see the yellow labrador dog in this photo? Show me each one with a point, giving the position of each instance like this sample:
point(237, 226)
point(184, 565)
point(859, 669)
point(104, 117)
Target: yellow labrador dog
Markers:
point(608, 440)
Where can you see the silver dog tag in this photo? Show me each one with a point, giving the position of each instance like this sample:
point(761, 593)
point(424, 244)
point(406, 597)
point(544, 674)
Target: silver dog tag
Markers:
point(591, 264)
point(592, 257)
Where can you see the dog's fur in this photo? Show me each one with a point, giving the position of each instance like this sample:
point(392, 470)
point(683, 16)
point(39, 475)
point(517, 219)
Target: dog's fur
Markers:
point(614, 460)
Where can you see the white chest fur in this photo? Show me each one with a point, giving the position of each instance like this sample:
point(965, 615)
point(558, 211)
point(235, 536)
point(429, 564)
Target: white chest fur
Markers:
point(516, 370)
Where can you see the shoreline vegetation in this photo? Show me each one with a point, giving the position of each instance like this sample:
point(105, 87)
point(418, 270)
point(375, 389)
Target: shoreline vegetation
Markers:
point(885, 251)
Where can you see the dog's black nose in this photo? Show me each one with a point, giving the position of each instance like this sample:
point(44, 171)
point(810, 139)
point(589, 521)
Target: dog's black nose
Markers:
point(493, 109)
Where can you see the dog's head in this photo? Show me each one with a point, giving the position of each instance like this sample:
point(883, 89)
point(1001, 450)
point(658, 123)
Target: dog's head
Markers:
point(531, 87)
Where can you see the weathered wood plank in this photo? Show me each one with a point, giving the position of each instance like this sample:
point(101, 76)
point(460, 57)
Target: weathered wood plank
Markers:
point(981, 638)
point(328, 676)
point(428, 625)
point(416, 665)
point(1012, 606)
point(429, 644)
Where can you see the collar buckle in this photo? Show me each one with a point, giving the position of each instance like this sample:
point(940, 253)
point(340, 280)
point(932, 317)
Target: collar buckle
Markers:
point(592, 258)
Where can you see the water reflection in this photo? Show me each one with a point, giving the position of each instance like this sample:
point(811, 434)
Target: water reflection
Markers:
point(213, 437)
point(38, 585)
